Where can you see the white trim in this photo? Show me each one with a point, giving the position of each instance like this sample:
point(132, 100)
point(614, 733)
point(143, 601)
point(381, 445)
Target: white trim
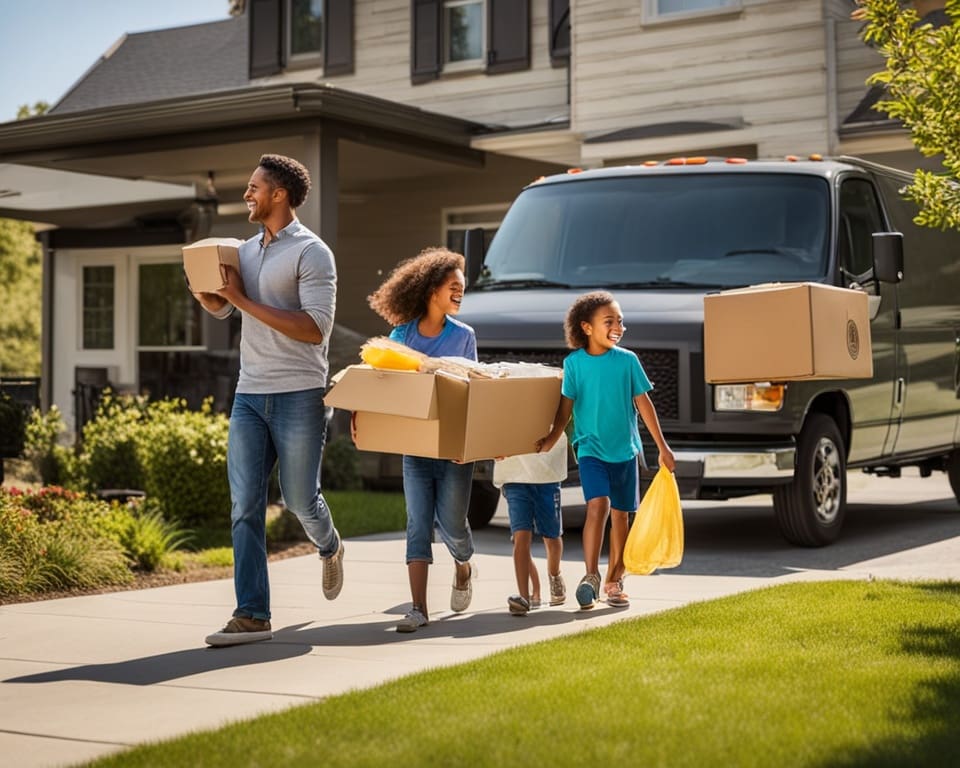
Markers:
point(652, 14)
point(497, 211)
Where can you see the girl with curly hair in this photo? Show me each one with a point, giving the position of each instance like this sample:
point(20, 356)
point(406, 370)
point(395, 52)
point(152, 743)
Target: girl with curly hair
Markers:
point(420, 298)
point(604, 387)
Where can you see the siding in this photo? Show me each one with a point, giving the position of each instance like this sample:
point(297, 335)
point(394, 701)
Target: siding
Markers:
point(856, 61)
point(382, 69)
point(765, 66)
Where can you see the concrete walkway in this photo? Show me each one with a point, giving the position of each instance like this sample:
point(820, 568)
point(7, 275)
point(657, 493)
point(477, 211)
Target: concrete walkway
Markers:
point(86, 676)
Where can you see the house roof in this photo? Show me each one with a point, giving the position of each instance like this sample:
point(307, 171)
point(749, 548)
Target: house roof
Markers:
point(163, 64)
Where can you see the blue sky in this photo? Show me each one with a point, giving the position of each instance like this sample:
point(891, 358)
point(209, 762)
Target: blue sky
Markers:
point(46, 45)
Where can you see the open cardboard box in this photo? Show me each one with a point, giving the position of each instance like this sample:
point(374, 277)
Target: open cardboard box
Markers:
point(786, 332)
point(441, 416)
point(202, 260)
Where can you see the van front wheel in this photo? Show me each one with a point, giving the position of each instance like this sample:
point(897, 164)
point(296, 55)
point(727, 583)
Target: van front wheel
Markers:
point(811, 508)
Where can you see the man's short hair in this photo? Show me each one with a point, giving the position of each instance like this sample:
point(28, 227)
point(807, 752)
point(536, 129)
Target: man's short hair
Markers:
point(287, 173)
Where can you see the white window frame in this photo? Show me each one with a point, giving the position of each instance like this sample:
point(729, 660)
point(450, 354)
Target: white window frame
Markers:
point(298, 59)
point(495, 211)
point(99, 261)
point(134, 288)
point(467, 65)
point(652, 14)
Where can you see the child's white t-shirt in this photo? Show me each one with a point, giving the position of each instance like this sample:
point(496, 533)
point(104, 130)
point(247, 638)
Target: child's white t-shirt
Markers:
point(549, 467)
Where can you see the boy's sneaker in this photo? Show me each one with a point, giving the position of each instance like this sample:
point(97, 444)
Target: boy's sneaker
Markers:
point(558, 590)
point(412, 621)
point(333, 573)
point(518, 605)
point(587, 590)
point(240, 630)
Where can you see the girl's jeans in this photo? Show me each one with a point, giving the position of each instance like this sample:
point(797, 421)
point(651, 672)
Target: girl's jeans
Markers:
point(289, 428)
point(437, 492)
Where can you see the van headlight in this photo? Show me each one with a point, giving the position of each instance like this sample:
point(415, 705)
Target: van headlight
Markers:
point(749, 397)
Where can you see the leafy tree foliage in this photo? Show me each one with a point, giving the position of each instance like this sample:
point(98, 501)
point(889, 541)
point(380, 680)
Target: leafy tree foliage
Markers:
point(20, 267)
point(922, 90)
point(38, 108)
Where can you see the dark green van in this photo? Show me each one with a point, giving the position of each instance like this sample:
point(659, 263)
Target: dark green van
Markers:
point(662, 236)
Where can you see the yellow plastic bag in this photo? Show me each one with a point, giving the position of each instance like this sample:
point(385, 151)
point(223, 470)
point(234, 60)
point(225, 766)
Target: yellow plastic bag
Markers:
point(656, 536)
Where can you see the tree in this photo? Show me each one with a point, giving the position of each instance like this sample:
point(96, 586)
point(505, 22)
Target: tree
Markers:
point(39, 108)
point(922, 90)
point(20, 270)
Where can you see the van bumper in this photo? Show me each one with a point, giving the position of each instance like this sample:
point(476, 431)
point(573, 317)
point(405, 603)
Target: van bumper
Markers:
point(774, 463)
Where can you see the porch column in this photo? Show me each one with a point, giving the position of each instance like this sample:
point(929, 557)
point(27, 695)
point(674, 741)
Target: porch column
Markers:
point(320, 212)
point(46, 323)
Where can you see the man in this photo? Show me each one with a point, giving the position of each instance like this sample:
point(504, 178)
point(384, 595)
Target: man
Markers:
point(286, 293)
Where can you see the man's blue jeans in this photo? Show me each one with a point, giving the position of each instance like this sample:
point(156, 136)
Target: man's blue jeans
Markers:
point(289, 428)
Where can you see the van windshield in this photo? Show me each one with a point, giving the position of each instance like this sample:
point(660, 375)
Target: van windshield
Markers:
point(704, 231)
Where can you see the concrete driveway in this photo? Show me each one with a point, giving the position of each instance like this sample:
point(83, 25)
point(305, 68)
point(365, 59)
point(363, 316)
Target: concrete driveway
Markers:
point(86, 676)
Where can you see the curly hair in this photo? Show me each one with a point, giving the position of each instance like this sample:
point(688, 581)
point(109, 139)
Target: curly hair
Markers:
point(289, 174)
point(405, 294)
point(582, 311)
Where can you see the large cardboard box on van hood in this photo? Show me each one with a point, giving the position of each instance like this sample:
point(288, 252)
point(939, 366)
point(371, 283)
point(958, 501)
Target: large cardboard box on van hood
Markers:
point(202, 260)
point(786, 332)
point(441, 416)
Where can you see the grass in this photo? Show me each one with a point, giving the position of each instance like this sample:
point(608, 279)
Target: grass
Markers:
point(848, 674)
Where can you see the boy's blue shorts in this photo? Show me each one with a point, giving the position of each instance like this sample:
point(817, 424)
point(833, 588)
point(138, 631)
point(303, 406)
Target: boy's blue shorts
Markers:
point(534, 507)
point(619, 481)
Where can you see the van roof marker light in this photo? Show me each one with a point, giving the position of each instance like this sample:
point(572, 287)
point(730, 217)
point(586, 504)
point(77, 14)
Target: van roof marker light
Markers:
point(736, 160)
point(791, 158)
point(574, 170)
point(676, 161)
point(650, 163)
point(816, 156)
point(696, 161)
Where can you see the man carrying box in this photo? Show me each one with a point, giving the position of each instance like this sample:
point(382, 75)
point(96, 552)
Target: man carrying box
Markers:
point(286, 293)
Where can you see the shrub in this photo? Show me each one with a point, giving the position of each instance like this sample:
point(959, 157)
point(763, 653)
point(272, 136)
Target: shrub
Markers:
point(52, 462)
point(341, 465)
point(109, 455)
point(147, 538)
point(51, 540)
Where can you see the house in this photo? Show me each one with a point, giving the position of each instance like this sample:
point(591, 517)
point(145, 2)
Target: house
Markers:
point(418, 119)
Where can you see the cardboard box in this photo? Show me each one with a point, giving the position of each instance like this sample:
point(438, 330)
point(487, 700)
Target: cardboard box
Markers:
point(440, 416)
point(786, 332)
point(202, 260)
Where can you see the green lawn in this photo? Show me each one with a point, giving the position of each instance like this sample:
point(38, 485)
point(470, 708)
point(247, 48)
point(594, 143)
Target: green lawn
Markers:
point(833, 674)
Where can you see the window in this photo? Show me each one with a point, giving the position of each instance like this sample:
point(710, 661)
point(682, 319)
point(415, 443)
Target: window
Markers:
point(456, 35)
point(305, 30)
point(169, 316)
point(98, 307)
point(859, 219)
point(285, 33)
point(463, 33)
point(669, 9)
point(456, 222)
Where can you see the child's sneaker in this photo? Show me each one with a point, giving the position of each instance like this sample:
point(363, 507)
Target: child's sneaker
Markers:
point(615, 594)
point(558, 590)
point(412, 621)
point(519, 606)
point(588, 590)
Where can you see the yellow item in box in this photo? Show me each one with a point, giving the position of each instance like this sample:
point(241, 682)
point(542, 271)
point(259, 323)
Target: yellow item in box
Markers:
point(389, 359)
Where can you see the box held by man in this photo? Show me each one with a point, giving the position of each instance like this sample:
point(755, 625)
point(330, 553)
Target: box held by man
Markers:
point(202, 260)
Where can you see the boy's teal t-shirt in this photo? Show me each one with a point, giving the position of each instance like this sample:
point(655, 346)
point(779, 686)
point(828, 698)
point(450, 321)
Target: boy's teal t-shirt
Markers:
point(602, 388)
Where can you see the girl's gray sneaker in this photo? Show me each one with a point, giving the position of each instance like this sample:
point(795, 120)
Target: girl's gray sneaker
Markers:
point(412, 621)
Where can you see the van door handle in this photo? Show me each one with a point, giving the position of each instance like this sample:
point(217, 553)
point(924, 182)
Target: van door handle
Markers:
point(898, 393)
point(956, 365)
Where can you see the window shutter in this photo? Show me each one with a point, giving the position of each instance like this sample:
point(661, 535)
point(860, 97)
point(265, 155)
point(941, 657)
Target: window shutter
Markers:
point(425, 41)
point(560, 33)
point(338, 37)
point(508, 22)
point(266, 37)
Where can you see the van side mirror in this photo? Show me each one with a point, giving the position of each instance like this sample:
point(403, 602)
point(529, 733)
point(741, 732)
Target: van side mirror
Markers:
point(888, 256)
point(473, 253)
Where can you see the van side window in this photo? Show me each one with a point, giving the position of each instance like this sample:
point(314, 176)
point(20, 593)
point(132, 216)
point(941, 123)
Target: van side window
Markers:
point(859, 219)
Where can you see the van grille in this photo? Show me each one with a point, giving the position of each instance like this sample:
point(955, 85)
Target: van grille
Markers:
point(661, 365)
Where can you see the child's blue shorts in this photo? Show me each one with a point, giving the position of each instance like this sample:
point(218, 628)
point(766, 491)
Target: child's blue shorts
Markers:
point(618, 481)
point(534, 507)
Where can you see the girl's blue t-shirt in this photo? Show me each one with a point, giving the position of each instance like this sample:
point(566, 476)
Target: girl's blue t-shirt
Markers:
point(455, 340)
point(602, 388)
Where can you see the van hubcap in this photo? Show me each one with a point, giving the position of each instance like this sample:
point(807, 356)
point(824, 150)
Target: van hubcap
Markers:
point(826, 481)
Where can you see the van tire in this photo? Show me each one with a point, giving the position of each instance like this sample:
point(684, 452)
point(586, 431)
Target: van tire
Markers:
point(484, 498)
point(953, 472)
point(811, 508)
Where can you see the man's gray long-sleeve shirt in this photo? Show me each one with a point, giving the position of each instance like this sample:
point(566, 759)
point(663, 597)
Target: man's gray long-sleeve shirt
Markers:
point(296, 271)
